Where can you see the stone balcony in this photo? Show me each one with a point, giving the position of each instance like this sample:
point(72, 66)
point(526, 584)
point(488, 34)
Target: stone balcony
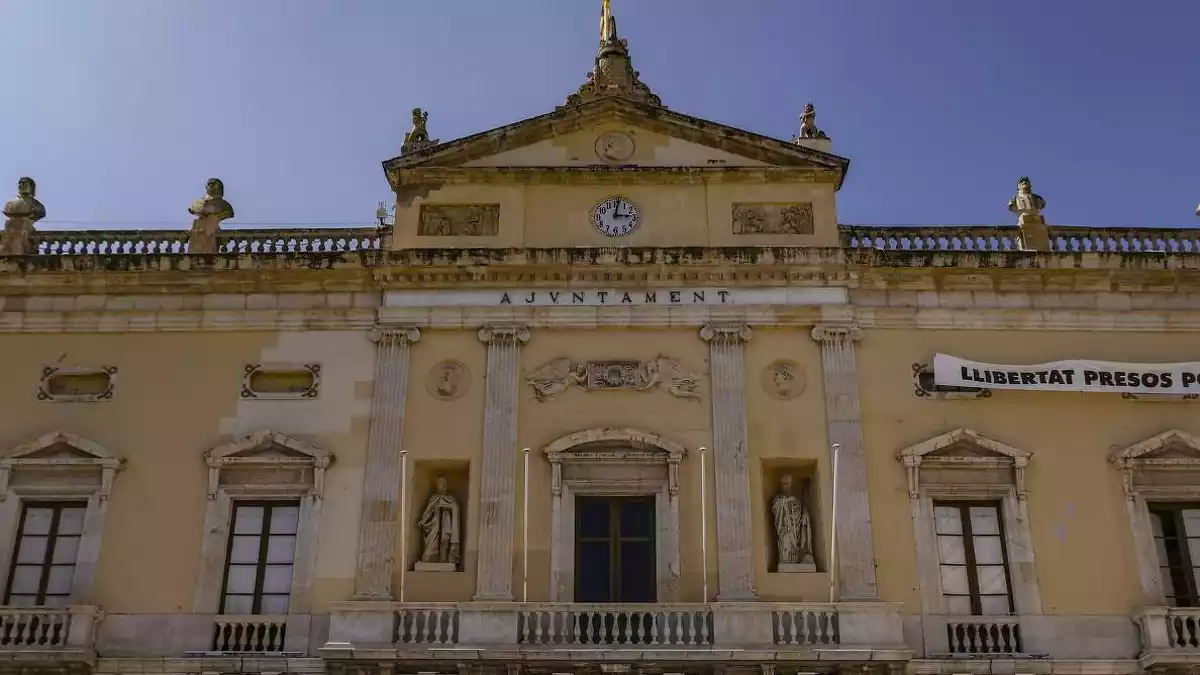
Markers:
point(1170, 636)
point(53, 638)
point(672, 632)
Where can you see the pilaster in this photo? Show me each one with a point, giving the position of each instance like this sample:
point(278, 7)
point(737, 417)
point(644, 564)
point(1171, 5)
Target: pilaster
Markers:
point(381, 481)
point(497, 493)
point(735, 567)
point(855, 550)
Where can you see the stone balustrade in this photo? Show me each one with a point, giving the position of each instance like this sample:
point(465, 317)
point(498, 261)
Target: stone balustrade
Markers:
point(255, 634)
point(1001, 238)
point(983, 635)
point(229, 242)
point(375, 627)
point(65, 634)
point(1169, 636)
point(1125, 239)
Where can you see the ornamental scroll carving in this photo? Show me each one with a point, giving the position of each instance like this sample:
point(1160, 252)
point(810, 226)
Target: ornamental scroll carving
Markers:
point(459, 220)
point(662, 372)
point(773, 218)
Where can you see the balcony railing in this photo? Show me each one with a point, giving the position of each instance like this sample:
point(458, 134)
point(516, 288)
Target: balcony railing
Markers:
point(249, 634)
point(67, 631)
point(1169, 635)
point(478, 626)
point(165, 242)
point(984, 635)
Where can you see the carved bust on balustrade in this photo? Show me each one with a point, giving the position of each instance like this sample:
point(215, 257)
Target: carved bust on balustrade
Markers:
point(1027, 205)
point(20, 213)
point(209, 210)
point(808, 123)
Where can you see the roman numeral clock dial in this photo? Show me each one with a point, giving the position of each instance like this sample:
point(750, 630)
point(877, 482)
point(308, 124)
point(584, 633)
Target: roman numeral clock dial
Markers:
point(615, 217)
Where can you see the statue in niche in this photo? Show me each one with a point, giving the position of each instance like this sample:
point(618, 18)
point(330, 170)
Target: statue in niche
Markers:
point(20, 213)
point(1027, 205)
point(209, 210)
point(440, 522)
point(793, 530)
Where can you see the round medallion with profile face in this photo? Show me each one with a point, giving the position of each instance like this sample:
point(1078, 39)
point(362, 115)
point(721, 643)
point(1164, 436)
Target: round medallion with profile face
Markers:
point(616, 217)
point(448, 380)
point(783, 379)
point(614, 147)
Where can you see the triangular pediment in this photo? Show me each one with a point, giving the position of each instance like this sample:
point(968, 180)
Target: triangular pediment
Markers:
point(1170, 446)
point(963, 445)
point(614, 441)
point(571, 138)
point(267, 447)
point(60, 446)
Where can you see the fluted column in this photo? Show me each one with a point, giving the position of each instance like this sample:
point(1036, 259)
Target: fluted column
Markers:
point(855, 550)
point(381, 480)
point(735, 566)
point(497, 490)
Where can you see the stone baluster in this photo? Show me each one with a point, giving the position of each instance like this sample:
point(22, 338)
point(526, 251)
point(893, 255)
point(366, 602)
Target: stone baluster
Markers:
point(381, 481)
point(497, 492)
point(735, 561)
point(855, 551)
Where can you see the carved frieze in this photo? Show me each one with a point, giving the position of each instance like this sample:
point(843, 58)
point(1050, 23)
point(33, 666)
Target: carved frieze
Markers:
point(663, 372)
point(752, 218)
point(459, 220)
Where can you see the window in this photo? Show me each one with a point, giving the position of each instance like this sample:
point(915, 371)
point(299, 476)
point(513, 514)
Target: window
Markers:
point(258, 568)
point(972, 557)
point(1176, 530)
point(43, 566)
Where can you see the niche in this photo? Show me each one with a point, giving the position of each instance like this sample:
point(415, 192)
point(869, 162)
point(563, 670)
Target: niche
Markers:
point(791, 499)
point(77, 383)
point(437, 517)
point(281, 381)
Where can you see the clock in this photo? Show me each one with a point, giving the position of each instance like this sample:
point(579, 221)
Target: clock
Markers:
point(615, 217)
point(614, 147)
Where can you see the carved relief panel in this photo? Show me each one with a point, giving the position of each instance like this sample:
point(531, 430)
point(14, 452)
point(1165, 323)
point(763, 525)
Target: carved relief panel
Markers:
point(756, 218)
point(459, 220)
point(662, 372)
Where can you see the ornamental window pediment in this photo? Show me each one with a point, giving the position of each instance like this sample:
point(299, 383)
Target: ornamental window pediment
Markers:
point(56, 460)
point(964, 457)
point(1144, 463)
point(264, 461)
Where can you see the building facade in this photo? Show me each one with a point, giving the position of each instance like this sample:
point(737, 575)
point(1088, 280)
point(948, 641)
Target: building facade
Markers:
point(614, 393)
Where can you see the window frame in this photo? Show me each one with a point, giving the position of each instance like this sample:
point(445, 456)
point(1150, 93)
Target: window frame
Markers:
point(1170, 452)
point(85, 474)
point(52, 539)
point(968, 538)
point(263, 467)
point(261, 563)
point(975, 474)
point(1176, 510)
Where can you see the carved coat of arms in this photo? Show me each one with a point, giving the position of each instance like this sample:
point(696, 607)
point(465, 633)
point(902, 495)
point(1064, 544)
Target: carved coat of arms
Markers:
point(662, 372)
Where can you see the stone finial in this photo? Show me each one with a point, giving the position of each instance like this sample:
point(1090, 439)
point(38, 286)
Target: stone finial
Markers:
point(209, 210)
point(20, 213)
point(613, 74)
point(418, 138)
point(808, 125)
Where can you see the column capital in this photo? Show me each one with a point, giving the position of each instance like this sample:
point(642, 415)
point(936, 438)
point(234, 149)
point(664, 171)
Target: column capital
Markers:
point(515, 333)
point(725, 332)
point(830, 332)
point(395, 333)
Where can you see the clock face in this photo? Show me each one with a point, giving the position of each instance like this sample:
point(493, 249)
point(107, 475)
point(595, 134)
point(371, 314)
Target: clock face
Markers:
point(615, 217)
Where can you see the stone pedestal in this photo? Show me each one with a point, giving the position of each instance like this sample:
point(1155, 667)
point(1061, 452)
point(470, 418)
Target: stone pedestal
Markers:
point(381, 482)
point(1035, 235)
point(794, 568)
point(435, 567)
point(855, 550)
point(497, 490)
point(735, 560)
point(15, 240)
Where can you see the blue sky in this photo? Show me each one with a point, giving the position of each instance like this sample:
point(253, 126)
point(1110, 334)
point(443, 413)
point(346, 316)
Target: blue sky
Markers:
point(122, 108)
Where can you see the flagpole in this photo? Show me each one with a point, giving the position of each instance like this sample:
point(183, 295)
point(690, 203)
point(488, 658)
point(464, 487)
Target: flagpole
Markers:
point(525, 534)
point(833, 568)
point(703, 524)
point(403, 519)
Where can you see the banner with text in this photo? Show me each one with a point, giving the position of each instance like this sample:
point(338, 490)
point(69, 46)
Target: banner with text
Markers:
point(1074, 375)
